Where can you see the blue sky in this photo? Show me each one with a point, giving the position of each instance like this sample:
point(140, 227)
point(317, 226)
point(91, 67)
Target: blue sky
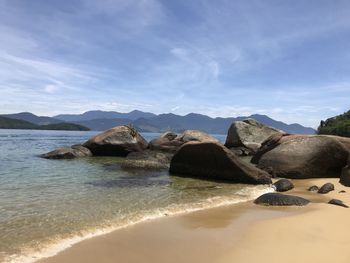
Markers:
point(287, 59)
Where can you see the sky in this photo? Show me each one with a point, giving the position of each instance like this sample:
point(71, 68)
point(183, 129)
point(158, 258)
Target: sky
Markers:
point(287, 59)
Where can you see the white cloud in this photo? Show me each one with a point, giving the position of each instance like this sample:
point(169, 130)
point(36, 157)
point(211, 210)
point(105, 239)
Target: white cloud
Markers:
point(51, 88)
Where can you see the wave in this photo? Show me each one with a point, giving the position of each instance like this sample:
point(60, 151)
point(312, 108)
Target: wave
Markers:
point(30, 255)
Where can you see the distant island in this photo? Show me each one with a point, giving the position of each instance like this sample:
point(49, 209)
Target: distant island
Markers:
point(149, 122)
point(8, 123)
point(338, 125)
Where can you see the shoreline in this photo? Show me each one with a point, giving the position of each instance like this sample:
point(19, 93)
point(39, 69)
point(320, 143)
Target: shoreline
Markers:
point(55, 248)
point(233, 232)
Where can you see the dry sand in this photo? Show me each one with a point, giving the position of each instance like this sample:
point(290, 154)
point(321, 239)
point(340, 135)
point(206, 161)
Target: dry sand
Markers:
point(238, 233)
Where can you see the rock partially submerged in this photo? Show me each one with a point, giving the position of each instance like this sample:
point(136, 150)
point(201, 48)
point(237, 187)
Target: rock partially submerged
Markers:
point(214, 161)
point(118, 141)
point(147, 160)
point(326, 188)
point(248, 134)
point(277, 199)
point(170, 141)
point(303, 156)
point(338, 203)
point(283, 185)
point(75, 151)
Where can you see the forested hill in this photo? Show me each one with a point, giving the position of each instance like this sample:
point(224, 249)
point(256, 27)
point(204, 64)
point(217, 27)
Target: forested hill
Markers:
point(8, 123)
point(338, 125)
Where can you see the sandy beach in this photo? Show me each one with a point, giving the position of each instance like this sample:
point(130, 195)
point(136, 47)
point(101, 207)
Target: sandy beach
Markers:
point(237, 233)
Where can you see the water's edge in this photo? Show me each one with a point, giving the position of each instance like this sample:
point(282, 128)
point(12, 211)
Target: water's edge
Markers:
point(53, 249)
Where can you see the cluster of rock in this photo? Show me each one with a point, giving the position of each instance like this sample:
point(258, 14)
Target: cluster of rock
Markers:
point(118, 141)
point(197, 154)
point(283, 185)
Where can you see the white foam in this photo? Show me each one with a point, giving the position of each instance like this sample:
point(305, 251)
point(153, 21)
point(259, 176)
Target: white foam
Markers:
point(54, 248)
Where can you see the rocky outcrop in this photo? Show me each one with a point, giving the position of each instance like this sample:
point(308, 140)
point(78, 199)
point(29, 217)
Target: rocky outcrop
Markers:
point(147, 160)
point(338, 203)
point(277, 199)
point(75, 151)
point(248, 134)
point(118, 141)
point(326, 188)
point(303, 156)
point(214, 161)
point(283, 185)
point(170, 141)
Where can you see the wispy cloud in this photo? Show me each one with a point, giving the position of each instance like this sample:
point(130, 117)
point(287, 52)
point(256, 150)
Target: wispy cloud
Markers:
point(225, 58)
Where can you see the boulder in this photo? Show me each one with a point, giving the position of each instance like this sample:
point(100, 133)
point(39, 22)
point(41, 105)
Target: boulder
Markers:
point(303, 156)
point(337, 202)
point(197, 136)
point(170, 141)
point(214, 161)
point(147, 160)
point(118, 141)
point(249, 134)
point(313, 188)
point(76, 151)
point(326, 188)
point(277, 199)
point(283, 185)
point(166, 142)
point(345, 175)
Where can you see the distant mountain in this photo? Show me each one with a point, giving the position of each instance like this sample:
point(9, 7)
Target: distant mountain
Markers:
point(293, 128)
point(149, 122)
point(30, 117)
point(8, 123)
point(92, 115)
point(164, 122)
point(338, 125)
point(103, 124)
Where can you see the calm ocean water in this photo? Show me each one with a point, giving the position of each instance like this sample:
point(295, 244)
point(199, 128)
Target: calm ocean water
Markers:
point(47, 205)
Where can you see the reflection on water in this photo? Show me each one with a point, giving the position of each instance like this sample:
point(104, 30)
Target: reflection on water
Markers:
point(44, 201)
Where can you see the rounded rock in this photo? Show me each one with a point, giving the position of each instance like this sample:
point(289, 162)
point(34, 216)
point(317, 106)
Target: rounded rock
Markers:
point(277, 199)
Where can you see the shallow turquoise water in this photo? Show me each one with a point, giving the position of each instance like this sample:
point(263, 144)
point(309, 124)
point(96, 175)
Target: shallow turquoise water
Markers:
point(47, 202)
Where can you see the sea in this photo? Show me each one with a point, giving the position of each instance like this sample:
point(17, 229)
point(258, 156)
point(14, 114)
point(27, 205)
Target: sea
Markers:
point(47, 206)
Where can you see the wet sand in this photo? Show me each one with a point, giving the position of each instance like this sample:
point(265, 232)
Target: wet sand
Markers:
point(236, 233)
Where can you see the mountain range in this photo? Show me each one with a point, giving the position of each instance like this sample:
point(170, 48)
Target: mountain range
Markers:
point(149, 122)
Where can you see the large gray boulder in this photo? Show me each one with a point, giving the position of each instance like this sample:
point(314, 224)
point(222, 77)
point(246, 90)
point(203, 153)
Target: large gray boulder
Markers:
point(303, 156)
point(170, 141)
point(249, 134)
point(214, 161)
point(118, 141)
point(75, 151)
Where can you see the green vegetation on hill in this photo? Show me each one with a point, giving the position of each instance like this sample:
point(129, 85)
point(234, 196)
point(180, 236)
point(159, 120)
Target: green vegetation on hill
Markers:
point(66, 126)
point(8, 123)
point(338, 125)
